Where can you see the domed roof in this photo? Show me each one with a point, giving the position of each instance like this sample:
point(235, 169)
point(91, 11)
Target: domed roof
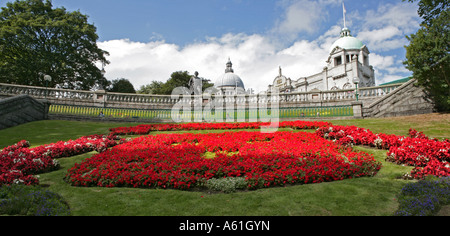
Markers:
point(229, 79)
point(347, 41)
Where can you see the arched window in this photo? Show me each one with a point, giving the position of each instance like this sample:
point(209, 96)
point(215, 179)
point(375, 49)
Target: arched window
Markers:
point(347, 86)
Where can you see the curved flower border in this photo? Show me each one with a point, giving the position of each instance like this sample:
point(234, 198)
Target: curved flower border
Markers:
point(428, 156)
point(176, 161)
point(19, 163)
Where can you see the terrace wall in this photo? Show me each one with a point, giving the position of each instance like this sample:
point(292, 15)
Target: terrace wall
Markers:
point(22, 109)
point(380, 101)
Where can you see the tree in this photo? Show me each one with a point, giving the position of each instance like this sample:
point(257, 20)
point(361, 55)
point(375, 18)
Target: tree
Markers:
point(121, 85)
point(37, 39)
point(153, 88)
point(430, 9)
point(427, 55)
point(177, 79)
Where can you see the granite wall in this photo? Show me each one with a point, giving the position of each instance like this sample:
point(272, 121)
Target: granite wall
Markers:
point(22, 109)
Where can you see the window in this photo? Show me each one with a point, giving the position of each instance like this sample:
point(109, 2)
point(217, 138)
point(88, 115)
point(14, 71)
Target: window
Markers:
point(347, 86)
point(337, 61)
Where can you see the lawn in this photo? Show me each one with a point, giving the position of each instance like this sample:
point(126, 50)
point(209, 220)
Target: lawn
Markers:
point(366, 196)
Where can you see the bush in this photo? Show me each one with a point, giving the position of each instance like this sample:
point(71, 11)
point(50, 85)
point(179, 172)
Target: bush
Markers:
point(31, 201)
point(227, 185)
point(424, 198)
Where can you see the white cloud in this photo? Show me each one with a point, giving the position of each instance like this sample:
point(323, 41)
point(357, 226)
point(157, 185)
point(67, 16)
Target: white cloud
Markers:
point(402, 15)
point(301, 16)
point(385, 28)
point(383, 39)
point(256, 57)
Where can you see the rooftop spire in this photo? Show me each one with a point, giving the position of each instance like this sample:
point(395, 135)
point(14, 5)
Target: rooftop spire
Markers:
point(345, 31)
point(229, 68)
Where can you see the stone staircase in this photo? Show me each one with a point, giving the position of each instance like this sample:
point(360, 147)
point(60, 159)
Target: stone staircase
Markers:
point(22, 109)
point(406, 100)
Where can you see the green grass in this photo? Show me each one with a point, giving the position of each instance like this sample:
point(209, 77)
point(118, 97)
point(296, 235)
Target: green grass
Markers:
point(433, 125)
point(50, 131)
point(375, 196)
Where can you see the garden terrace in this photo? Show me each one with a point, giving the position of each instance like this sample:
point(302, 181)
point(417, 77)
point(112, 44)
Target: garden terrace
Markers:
point(375, 195)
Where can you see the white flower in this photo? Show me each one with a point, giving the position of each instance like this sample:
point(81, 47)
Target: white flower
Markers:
point(38, 160)
point(377, 142)
point(55, 162)
point(18, 181)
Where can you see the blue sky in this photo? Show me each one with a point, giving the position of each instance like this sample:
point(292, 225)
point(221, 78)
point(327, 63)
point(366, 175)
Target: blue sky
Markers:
point(150, 39)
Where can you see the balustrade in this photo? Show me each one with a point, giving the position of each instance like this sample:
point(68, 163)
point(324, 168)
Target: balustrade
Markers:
point(7, 90)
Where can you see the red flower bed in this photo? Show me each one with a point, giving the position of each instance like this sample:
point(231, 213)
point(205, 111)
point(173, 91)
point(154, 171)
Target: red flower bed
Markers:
point(18, 163)
point(177, 161)
point(428, 156)
point(147, 128)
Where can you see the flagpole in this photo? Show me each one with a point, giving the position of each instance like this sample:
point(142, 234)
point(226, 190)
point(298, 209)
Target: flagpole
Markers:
point(344, 11)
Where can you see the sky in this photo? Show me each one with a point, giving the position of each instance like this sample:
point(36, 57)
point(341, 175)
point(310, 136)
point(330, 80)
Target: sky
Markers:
point(148, 40)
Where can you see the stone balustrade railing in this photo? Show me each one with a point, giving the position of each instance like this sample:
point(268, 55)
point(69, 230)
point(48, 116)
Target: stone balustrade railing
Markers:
point(104, 99)
point(41, 92)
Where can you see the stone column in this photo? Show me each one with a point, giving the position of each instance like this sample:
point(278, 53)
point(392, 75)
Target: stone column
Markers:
point(46, 108)
point(100, 98)
point(357, 110)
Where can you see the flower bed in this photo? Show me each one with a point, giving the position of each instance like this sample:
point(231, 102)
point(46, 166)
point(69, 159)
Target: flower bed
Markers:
point(263, 159)
point(147, 128)
point(18, 163)
point(428, 156)
point(424, 198)
point(177, 161)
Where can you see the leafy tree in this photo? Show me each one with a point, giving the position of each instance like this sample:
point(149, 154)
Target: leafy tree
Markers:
point(37, 39)
point(177, 79)
point(121, 85)
point(430, 9)
point(153, 88)
point(427, 55)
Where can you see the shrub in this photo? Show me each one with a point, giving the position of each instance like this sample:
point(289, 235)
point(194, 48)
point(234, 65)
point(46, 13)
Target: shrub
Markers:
point(424, 198)
point(31, 201)
point(227, 185)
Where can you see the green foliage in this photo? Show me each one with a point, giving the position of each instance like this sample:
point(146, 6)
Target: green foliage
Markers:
point(427, 55)
point(37, 39)
point(153, 88)
point(430, 9)
point(227, 185)
point(121, 85)
point(31, 201)
point(177, 79)
point(424, 198)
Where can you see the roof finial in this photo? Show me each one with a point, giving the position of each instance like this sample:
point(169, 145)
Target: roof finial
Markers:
point(229, 66)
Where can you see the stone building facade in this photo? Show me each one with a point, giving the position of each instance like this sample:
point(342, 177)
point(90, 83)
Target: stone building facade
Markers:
point(347, 63)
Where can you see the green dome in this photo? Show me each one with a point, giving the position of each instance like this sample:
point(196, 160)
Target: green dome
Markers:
point(347, 41)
